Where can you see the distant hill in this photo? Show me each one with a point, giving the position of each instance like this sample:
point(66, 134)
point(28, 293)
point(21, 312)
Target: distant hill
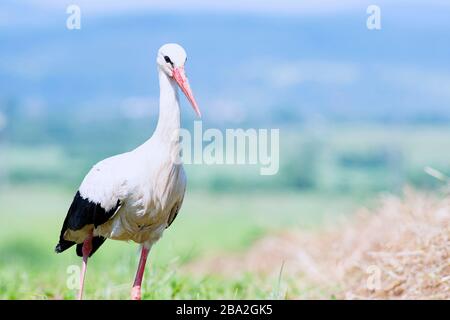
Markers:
point(248, 69)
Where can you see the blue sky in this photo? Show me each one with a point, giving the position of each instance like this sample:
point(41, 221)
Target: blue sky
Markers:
point(250, 61)
point(291, 7)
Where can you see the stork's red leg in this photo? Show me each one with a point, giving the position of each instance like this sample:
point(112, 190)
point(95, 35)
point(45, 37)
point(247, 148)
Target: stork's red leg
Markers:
point(136, 291)
point(87, 249)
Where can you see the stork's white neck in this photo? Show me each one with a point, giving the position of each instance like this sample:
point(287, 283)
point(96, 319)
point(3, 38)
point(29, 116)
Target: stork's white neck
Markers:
point(169, 110)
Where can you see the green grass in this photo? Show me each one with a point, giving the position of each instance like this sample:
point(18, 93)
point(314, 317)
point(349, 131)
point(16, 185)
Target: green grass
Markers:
point(333, 172)
point(207, 224)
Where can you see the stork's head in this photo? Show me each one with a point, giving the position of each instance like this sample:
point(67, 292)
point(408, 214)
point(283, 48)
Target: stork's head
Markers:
point(171, 60)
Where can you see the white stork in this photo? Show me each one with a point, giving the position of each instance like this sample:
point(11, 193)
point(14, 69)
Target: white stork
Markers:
point(135, 195)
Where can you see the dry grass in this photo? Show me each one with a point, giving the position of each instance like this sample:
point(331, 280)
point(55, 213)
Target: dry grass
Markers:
point(400, 251)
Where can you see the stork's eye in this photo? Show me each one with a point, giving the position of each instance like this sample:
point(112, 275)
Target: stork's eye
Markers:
point(168, 60)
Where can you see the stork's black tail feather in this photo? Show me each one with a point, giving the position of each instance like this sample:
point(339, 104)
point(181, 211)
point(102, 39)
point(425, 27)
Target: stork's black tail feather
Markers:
point(96, 243)
point(63, 245)
point(83, 212)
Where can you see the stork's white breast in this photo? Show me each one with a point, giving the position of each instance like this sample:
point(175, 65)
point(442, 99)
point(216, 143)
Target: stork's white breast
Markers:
point(151, 195)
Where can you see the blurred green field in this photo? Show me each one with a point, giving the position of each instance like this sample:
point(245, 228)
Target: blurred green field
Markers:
point(316, 157)
point(324, 173)
point(208, 223)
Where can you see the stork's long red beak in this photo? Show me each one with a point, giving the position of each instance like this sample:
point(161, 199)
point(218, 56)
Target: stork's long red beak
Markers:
point(180, 77)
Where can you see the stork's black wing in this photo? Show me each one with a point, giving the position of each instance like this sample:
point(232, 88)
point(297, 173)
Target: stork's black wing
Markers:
point(174, 212)
point(81, 213)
